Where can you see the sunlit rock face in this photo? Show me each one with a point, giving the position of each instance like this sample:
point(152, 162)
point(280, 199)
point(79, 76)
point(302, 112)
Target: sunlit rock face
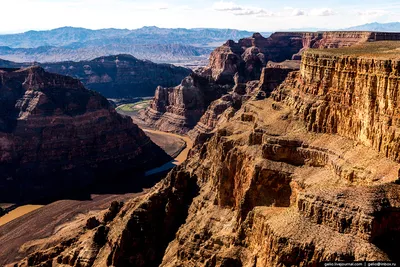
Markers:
point(245, 60)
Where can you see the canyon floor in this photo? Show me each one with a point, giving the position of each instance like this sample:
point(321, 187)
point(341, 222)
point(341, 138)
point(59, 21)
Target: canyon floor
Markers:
point(23, 229)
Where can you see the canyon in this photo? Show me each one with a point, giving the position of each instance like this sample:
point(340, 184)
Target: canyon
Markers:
point(196, 105)
point(119, 76)
point(305, 169)
point(56, 136)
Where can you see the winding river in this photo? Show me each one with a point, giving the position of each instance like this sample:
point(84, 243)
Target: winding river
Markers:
point(22, 210)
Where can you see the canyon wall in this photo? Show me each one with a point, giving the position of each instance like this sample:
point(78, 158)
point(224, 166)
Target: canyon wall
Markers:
point(356, 97)
point(246, 58)
point(56, 135)
point(178, 109)
point(282, 182)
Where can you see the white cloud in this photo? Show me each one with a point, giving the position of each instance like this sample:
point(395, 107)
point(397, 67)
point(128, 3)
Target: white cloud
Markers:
point(226, 6)
point(238, 10)
point(298, 12)
point(372, 12)
point(322, 12)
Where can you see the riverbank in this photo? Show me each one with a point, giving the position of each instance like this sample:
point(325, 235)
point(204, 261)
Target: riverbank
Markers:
point(18, 212)
point(28, 227)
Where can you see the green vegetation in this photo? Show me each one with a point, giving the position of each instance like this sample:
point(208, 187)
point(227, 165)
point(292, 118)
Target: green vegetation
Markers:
point(134, 107)
point(380, 49)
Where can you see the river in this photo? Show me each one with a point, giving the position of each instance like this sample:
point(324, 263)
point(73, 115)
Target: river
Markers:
point(22, 210)
point(178, 159)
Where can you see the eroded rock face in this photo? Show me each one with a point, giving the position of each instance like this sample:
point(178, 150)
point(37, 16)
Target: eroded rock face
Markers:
point(353, 97)
point(265, 189)
point(56, 135)
point(247, 58)
point(178, 109)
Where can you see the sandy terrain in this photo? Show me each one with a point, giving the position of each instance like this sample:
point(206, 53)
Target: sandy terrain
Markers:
point(42, 223)
point(171, 144)
point(18, 212)
point(178, 159)
point(170, 138)
point(21, 232)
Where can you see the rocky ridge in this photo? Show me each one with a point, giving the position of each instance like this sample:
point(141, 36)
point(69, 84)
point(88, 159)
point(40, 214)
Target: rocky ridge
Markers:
point(246, 58)
point(274, 185)
point(56, 135)
point(119, 76)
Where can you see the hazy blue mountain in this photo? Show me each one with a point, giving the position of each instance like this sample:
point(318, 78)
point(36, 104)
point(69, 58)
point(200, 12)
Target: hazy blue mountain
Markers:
point(146, 35)
point(375, 26)
point(161, 53)
point(152, 43)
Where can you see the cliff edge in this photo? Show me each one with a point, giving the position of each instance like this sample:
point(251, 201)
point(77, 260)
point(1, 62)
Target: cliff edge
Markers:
point(286, 181)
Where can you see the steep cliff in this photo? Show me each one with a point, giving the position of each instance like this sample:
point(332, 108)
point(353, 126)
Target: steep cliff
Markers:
point(354, 96)
point(274, 185)
point(178, 109)
point(56, 135)
point(247, 58)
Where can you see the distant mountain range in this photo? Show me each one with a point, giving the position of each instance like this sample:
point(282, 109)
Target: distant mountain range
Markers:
point(152, 43)
point(375, 26)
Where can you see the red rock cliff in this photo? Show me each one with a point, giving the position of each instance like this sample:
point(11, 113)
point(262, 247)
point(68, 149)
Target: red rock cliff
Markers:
point(55, 134)
point(277, 184)
point(247, 58)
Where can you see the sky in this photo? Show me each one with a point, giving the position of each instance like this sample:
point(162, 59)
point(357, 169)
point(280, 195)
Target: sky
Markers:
point(252, 15)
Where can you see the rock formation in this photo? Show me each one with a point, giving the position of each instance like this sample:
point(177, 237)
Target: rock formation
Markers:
point(56, 135)
point(247, 58)
point(286, 181)
point(120, 76)
point(225, 107)
point(178, 109)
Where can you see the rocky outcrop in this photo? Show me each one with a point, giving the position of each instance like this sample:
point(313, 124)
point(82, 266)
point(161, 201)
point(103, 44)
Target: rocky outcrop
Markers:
point(225, 107)
point(56, 135)
point(266, 188)
point(249, 55)
point(247, 58)
point(178, 109)
point(120, 76)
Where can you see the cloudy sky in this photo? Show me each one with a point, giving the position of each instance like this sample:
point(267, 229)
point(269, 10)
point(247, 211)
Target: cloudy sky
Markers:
point(253, 15)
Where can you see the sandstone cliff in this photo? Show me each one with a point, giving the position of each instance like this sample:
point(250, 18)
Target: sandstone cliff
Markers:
point(56, 135)
point(246, 58)
point(178, 109)
point(282, 182)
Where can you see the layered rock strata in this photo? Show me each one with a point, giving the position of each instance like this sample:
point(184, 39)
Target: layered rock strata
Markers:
point(178, 109)
point(246, 58)
point(56, 135)
point(355, 97)
point(265, 189)
point(225, 107)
